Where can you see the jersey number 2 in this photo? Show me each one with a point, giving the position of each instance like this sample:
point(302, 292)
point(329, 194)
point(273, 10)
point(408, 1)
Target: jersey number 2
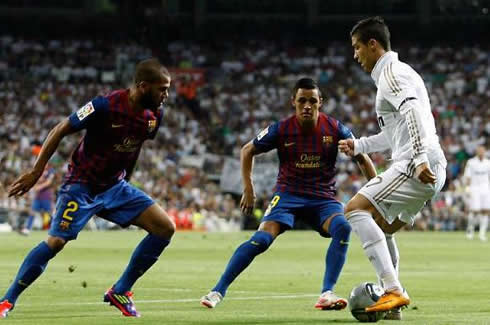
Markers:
point(72, 206)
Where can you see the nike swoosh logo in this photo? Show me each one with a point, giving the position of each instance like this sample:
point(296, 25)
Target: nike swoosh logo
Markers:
point(117, 125)
point(289, 144)
point(22, 283)
point(344, 242)
point(253, 242)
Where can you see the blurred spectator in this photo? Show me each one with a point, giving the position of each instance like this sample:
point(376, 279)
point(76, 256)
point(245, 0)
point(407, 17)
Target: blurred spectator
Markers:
point(246, 87)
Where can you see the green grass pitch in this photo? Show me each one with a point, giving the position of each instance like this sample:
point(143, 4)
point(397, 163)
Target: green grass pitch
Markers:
point(447, 277)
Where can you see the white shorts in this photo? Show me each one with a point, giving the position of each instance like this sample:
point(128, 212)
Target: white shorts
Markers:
point(395, 193)
point(479, 199)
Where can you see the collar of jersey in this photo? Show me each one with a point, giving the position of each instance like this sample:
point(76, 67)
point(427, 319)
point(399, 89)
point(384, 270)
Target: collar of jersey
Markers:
point(386, 58)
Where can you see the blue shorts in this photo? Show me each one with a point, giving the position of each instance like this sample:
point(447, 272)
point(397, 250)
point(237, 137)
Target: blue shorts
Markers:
point(76, 205)
point(40, 205)
point(285, 207)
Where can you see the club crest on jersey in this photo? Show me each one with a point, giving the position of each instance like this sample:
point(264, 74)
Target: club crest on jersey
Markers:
point(152, 124)
point(64, 225)
point(85, 111)
point(327, 139)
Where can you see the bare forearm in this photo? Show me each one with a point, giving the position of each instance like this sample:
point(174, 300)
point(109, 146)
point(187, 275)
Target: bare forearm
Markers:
point(49, 147)
point(366, 166)
point(246, 162)
point(51, 144)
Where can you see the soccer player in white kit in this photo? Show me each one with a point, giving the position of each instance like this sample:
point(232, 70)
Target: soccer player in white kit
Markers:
point(476, 176)
point(393, 198)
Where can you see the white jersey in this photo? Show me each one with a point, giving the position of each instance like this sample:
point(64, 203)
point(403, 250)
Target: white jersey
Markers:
point(404, 115)
point(478, 173)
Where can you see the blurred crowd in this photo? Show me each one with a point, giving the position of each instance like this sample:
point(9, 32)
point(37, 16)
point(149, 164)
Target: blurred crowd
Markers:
point(222, 96)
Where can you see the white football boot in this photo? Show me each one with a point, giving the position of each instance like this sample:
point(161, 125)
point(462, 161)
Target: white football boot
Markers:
point(330, 301)
point(211, 299)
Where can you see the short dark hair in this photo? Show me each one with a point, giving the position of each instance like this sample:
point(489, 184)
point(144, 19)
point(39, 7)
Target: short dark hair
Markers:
point(373, 28)
point(150, 70)
point(306, 83)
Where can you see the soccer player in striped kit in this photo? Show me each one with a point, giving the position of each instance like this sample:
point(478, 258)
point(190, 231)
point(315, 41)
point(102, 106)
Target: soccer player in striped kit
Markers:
point(97, 182)
point(306, 144)
point(392, 199)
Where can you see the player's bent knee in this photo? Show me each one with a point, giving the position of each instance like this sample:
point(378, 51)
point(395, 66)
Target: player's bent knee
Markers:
point(359, 202)
point(352, 205)
point(56, 243)
point(261, 240)
point(271, 227)
point(340, 228)
point(344, 229)
point(165, 230)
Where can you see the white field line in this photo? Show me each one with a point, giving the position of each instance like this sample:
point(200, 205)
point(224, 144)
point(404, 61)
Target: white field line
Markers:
point(154, 301)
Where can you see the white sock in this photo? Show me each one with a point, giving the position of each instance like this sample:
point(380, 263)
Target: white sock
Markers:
point(394, 253)
point(374, 243)
point(483, 226)
point(470, 228)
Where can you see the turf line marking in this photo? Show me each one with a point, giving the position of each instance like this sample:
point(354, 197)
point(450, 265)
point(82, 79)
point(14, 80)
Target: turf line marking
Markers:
point(138, 302)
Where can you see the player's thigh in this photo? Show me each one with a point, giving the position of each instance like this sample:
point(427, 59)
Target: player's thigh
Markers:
point(480, 200)
point(281, 211)
point(74, 208)
point(46, 206)
point(485, 201)
point(321, 212)
point(474, 200)
point(156, 221)
point(36, 205)
point(396, 193)
point(125, 205)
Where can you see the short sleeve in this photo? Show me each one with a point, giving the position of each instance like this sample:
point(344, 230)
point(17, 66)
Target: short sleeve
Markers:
point(345, 132)
point(266, 140)
point(88, 113)
point(158, 122)
point(396, 86)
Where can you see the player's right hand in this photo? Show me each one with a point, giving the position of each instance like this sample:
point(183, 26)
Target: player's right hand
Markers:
point(424, 174)
point(347, 146)
point(24, 183)
point(247, 202)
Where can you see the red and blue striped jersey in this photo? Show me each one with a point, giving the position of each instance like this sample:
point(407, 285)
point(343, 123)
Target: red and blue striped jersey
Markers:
point(306, 159)
point(114, 135)
point(46, 193)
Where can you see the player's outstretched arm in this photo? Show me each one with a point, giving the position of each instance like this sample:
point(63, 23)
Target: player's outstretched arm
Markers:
point(27, 180)
point(246, 163)
point(366, 165)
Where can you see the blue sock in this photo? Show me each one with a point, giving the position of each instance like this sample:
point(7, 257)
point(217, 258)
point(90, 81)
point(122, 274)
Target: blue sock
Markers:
point(243, 256)
point(29, 222)
point(144, 256)
point(32, 267)
point(340, 231)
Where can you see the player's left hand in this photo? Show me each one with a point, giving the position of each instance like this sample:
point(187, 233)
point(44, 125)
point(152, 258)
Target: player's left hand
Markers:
point(24, 183)
point(424, 174)
point(247, 203)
